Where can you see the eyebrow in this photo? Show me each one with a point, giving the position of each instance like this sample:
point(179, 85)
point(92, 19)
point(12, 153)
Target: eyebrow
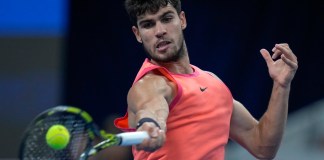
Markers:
point(148, 20)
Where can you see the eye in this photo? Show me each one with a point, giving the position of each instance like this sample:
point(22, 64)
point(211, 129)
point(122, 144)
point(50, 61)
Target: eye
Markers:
point(167, 19)
point(147, 25)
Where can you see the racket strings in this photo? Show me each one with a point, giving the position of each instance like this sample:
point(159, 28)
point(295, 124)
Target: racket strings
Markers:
point(37, 148)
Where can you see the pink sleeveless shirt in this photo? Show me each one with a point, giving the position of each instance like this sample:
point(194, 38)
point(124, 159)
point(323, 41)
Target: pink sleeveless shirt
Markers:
point(199, 118)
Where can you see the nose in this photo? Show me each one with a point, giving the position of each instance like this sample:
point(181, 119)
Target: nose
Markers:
point(160, 30)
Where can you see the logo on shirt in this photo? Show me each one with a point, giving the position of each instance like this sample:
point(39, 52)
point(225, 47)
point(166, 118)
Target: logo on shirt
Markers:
point(202, 89)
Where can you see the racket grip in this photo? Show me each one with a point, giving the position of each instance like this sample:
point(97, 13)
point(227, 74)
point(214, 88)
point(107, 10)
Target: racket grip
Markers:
point(131, 138)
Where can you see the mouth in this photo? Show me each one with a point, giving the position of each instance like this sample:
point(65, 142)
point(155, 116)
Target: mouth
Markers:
point(162, 45)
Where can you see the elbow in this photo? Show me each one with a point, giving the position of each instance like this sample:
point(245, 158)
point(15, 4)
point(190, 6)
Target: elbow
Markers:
point(265, 157)
point(266, 153)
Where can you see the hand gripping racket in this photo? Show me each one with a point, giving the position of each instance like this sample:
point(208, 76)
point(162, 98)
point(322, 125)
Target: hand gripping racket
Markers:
point(83, 131)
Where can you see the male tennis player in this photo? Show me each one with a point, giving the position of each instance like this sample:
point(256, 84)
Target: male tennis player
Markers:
point(189, 113)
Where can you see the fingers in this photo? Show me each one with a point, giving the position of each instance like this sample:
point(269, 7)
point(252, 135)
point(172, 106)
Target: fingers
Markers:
point(283, 49)
point(283, 52)
point(153, 143)
point(290, 63)
point(156, 140)
point(276, 52)
point(266, 56)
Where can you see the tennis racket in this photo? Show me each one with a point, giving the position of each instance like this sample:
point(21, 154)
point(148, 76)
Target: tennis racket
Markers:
point(83, 134)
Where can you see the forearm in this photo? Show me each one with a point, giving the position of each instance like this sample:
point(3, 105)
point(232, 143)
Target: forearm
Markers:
point(264, 137)
point(159, 115)
point(151, 121)
point(272, 124)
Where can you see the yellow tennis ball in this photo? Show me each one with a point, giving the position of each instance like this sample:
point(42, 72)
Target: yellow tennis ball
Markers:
point(57, 137)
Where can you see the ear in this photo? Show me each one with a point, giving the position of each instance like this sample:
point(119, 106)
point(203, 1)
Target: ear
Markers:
point(136, 33)
point(183, 20)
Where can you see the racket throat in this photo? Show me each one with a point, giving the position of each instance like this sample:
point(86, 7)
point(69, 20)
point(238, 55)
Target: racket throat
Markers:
point(100, 146)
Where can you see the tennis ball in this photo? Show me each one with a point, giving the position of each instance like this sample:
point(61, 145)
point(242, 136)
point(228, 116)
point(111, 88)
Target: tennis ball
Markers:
point(57, 137)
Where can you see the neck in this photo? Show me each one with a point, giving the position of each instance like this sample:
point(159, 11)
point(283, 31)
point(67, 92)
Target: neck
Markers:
point(181, 66)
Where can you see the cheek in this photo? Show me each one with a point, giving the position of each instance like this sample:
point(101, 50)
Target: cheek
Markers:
point(148, 35)
point(147, 44)
point(178, 35)
point(147, 40)
point(144, 37)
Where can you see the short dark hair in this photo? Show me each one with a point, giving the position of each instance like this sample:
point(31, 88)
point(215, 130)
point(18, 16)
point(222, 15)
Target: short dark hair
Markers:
point(137, 8)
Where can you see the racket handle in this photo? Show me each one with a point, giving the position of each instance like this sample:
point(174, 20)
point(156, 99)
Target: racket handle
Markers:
point(131, 138)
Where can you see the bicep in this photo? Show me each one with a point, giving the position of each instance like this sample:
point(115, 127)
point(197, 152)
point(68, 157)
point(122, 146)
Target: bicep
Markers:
point(243, 125)
point(147, 98)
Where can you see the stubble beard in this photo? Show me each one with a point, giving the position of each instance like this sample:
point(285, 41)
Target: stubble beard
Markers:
point(172, 57)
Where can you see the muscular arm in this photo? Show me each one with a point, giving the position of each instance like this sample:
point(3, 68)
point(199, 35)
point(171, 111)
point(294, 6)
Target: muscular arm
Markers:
point(150, 98)
point(262, 138)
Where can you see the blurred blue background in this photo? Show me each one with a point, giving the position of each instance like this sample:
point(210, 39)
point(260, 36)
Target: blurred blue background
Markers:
point(32, 42)
point(83, 53)
point(33, 17)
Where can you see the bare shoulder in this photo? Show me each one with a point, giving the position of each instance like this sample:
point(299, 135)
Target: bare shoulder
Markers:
point(150, 97)
point(153, 82)
point(150, 87)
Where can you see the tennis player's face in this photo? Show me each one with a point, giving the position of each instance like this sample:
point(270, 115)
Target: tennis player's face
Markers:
point(161, 34)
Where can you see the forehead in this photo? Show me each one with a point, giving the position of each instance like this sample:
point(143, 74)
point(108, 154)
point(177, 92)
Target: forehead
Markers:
point(167, 9)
